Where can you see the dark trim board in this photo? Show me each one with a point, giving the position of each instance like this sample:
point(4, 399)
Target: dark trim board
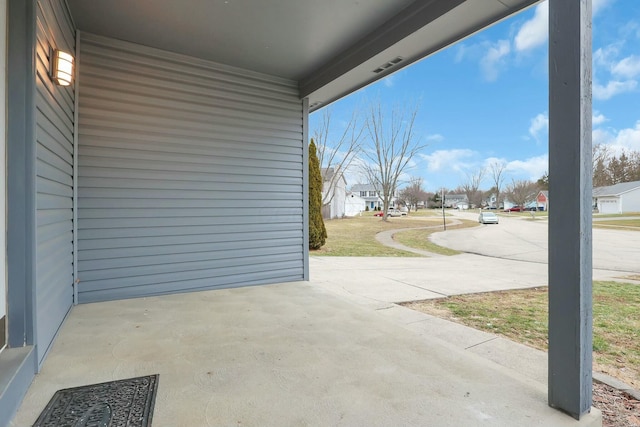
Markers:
point(3, 331)
point(17, 370)
point(18, 362)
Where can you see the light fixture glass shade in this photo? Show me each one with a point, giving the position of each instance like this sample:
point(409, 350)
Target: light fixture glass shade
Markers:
point(62, 71)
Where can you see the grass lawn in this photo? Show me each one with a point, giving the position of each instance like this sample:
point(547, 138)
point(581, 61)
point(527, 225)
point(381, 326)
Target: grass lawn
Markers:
point(521, 315)
point(526, 214)
point(356, 236)
point(419, 239)
point(625, 224)
point(628, 214)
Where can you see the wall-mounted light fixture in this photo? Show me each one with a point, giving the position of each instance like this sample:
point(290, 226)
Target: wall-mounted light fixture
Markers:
point(61, 67)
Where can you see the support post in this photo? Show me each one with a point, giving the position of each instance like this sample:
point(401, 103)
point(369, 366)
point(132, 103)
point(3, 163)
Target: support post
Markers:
point(570, 175)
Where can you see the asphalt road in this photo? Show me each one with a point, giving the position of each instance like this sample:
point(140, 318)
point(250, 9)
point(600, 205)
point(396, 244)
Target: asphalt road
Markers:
point(516, 238)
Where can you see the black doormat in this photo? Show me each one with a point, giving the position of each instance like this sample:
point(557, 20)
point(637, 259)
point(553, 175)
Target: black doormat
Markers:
point(126, 403)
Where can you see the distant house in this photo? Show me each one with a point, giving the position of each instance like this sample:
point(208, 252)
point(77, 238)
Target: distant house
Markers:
point(618, 198)
point(542, 201)
point(456, 201)
point(354, 204)
point(491, 201)
point(334, 190)
point(370, 195)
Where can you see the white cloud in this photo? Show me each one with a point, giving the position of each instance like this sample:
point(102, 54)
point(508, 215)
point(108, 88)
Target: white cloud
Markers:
point(494, 59)
point(598, 5)
point(618, 140)
point(533, 167)
point(389, 81)
point(440, 160)
point(539, 124)
point(628, 67)
point(605, 56)
point(613, 88)
point(598, 119)
point(535, 31)
point(435, 137)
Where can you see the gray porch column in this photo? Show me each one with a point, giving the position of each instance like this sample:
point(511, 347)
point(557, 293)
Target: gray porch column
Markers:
point(570, 255)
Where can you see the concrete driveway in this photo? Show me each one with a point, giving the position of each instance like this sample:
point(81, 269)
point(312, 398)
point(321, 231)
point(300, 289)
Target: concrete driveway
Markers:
point(516, 238)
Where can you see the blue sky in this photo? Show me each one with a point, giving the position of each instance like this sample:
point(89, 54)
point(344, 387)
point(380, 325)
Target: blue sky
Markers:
point(487, 97)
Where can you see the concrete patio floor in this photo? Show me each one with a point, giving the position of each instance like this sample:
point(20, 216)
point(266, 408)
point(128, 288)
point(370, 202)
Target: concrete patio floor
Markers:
point(296, 354)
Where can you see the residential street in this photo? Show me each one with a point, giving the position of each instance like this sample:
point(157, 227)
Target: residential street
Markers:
point(519, 239)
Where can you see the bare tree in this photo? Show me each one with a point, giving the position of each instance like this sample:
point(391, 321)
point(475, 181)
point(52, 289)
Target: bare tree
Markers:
point(412, 194)
point(391, 146)
point(497, 169)
point(522, 192)
point(471, 187)
point(336, 155)
point(601, 159)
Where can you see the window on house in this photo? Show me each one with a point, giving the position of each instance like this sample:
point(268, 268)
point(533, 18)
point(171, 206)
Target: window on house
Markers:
point(363, 194)
point(372, 194)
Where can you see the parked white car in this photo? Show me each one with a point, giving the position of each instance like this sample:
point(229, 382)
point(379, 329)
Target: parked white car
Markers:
point(488, 218)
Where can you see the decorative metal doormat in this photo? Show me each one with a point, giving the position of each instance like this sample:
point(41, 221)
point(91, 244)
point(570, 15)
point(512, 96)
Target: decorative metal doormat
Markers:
point(122, 403)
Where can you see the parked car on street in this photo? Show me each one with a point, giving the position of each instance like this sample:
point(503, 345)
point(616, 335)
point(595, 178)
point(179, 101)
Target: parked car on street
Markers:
point(395, 212)
point(378, 213)
point(488, 218)
point(515, 209)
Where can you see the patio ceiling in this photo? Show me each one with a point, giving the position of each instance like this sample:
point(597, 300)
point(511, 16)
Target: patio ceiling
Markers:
point(330, 47)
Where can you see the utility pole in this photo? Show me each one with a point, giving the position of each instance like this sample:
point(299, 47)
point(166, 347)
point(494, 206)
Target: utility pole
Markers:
point(444, 222)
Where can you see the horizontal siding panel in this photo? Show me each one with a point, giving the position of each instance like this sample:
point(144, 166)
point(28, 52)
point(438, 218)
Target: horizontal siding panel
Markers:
point(185, 276)
point(106, 120)
point(231, 252)
point(45, 170)
point(233, 218)
point(53, 188)
point(182, 181)
point(166, 68)
point(190, 174)
point(236, 191)
point(221, 236)
point(236, 281)
point(187, 149)
point(194, 107)
point(190, 138)
point(224, 163)
point(215, 249)
point(224, 157)
point(50, 216)
point(185, 204)
point(57, 231)
point(188, 267)
point(58, 138)
point(167, 231)
point(47, 201)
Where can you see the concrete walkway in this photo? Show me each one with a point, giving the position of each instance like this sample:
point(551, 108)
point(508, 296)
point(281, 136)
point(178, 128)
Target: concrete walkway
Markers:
point(296, 354)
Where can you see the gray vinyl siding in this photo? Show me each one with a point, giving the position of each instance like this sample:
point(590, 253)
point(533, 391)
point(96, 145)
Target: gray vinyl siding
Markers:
point(190, 174)
point(54, 177)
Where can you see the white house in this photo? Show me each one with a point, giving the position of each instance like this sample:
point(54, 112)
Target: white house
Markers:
point(456, 201)
point(334, 193)
point(354, 204)
point(618, 198)
point(370, 195)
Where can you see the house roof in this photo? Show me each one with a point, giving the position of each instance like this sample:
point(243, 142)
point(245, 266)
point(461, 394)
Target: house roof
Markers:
point(455, 197)
point(327, 174)
point(363, 187)
point(616, 190)
point(330, 47)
